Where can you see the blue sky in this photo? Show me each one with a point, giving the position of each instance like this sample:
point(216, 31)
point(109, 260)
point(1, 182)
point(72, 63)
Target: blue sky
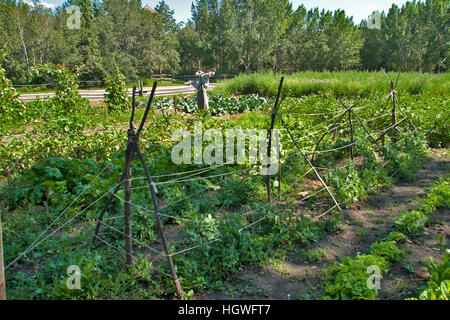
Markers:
point(359, 9)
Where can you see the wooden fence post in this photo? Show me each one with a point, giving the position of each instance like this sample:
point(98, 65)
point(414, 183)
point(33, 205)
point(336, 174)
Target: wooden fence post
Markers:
point(127, 194)
point(2, 271)
point(175, 103)
point(350, 123)
point(8, 174)
point(279, 169)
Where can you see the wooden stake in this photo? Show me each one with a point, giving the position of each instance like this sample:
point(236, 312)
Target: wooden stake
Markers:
point(160, 224)
point(106, 206)
point(175, 104)
point(2, 271)
point(127, 204)
point(350, 123)
point(269, 145)
point(394, 116)
point(8, 173)
point(279, 170)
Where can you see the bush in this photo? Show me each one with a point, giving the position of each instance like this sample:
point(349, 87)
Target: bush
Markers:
point(116, 93)
point(238, 191)
point(11, 107)
point(67, 98)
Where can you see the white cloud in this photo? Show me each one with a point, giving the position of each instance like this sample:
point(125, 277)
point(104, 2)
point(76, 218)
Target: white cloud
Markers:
point(43, 3)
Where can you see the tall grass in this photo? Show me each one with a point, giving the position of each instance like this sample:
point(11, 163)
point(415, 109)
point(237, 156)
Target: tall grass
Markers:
point(345, 84)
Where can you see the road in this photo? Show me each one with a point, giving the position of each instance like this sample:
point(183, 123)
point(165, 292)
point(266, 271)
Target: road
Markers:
point(99, 95)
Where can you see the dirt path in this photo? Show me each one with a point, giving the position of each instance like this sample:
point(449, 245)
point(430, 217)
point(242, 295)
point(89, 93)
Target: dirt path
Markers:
point(365, 222)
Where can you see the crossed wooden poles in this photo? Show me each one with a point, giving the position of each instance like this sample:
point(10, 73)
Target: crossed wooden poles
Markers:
point(131, 150)
point(350, 112)
point(272, 123)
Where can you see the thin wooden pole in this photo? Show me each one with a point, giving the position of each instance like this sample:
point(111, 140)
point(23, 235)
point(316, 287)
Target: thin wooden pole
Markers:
point(279, 170)
point(8, 173)
point(269, 145)
point(153, 192)
point(394, 116)
point(127, 198)
point(175, 103)
point(350, 123)
point(160, 224)
point(2, 270)
point(106, 206)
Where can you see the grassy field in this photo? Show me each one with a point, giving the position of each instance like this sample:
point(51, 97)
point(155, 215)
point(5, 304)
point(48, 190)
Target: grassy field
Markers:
point(345, 84)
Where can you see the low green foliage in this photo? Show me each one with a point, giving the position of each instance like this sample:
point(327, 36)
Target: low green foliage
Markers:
point(347, 185)
point(396, 236)
point(439, 283)
point(238, 191)
point(387, 250)
point(348, 280)
point(414, 222)
point(218, 104)
point(314, 255)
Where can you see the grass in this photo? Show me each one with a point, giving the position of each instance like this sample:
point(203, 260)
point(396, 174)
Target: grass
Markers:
point(349, 84)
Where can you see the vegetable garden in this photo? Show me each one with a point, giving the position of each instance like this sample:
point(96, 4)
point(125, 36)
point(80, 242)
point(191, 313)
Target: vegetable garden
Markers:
point(62, 158)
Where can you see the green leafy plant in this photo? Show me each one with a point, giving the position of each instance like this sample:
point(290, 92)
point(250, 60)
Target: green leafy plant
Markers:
point(412, 223)
point(116, 96)
point(387, 250)
point(348, 280)
point(439, 283)
point(11, 107)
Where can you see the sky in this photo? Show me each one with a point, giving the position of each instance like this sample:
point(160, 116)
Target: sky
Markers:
point(359, 9)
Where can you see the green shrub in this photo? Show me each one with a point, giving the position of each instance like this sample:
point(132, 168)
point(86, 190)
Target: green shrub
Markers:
point(238, 191)
point(11, 107)
point(66, 99)
point(438, 196)
point(116, 96)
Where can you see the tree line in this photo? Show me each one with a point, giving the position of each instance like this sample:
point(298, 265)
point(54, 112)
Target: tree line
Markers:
point(229, 36)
